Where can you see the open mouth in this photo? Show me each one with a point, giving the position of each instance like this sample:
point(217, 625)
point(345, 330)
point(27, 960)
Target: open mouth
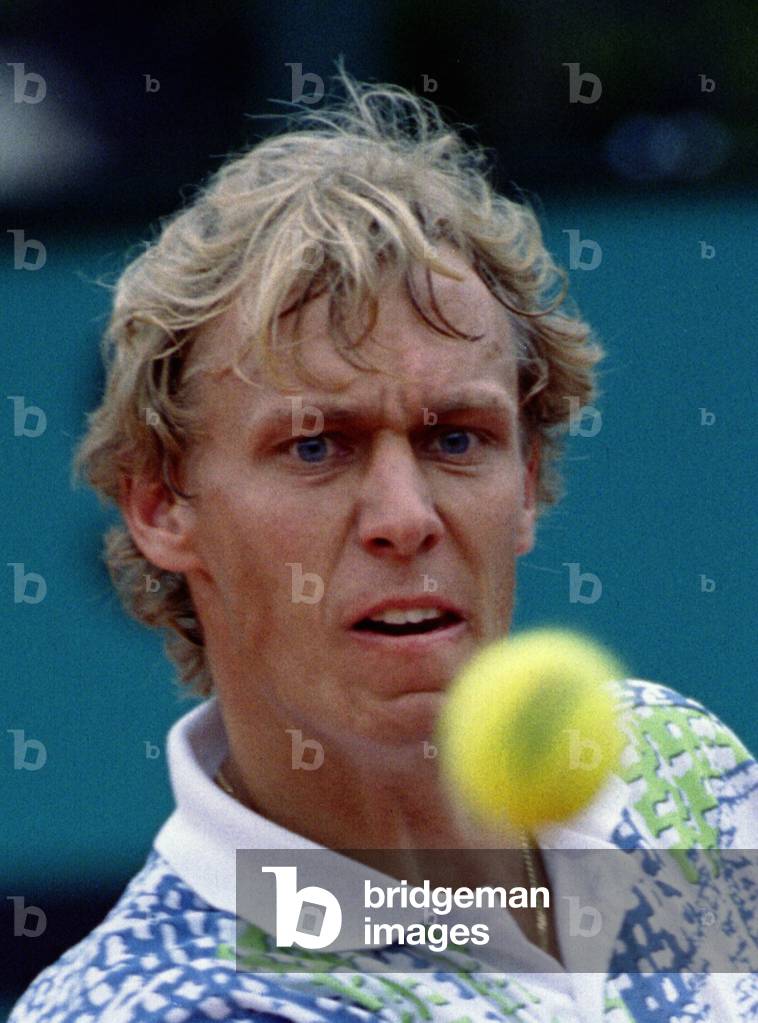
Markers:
point(409, 628)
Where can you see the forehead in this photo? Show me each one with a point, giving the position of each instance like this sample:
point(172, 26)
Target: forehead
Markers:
point(426, 369)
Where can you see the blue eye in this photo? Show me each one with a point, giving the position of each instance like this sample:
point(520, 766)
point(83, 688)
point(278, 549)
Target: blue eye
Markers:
point(459, 433)
point(303, 443)
point(311, 450)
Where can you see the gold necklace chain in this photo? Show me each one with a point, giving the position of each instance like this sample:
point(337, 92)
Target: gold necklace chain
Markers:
point(526, 851)
point(221, 779)
point(531, 873)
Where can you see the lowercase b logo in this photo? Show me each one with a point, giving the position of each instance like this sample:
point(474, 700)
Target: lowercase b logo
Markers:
point(310, 916)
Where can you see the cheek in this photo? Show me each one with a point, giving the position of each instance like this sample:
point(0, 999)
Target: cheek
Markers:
point(267, 550)
point(231, 537)
point(494, 513)
point(492, 537)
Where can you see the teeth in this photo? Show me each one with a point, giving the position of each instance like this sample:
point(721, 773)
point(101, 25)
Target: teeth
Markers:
point(396, 616)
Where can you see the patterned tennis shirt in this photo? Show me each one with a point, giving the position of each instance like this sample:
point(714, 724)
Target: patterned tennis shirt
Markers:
point(166, 951)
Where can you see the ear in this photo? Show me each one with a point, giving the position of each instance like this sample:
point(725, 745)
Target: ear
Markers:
point(160, 525)
point(525, 532)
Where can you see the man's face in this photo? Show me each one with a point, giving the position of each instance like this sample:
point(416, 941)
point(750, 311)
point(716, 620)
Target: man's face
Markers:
point(294, 539)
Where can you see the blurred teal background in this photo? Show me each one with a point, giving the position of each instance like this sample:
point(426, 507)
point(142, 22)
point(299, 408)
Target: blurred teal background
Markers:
point(659, 172)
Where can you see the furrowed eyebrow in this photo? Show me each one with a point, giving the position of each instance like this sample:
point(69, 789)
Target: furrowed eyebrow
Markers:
point(488, 402)
point(456, 404)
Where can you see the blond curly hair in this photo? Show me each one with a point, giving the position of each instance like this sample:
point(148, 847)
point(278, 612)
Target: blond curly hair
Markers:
point(370, 180)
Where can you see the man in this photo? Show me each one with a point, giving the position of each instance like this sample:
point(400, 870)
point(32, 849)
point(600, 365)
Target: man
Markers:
point(330, 546)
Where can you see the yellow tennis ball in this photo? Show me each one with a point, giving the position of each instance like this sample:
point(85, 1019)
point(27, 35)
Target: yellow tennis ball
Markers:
point(528, 732)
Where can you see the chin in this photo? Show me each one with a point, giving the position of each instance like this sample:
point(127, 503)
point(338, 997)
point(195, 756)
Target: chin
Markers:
point(406, 728)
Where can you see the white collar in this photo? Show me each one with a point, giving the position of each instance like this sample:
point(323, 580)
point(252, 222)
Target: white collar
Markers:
point(201, 836)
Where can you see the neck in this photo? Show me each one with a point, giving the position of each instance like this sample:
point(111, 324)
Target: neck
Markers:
point(465, 867)
point(420, 849)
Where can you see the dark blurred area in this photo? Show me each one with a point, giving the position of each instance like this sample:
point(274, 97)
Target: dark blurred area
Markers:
point(115, 110)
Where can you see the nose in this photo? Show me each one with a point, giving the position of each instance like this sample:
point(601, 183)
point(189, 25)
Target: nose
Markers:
point(396, 514)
